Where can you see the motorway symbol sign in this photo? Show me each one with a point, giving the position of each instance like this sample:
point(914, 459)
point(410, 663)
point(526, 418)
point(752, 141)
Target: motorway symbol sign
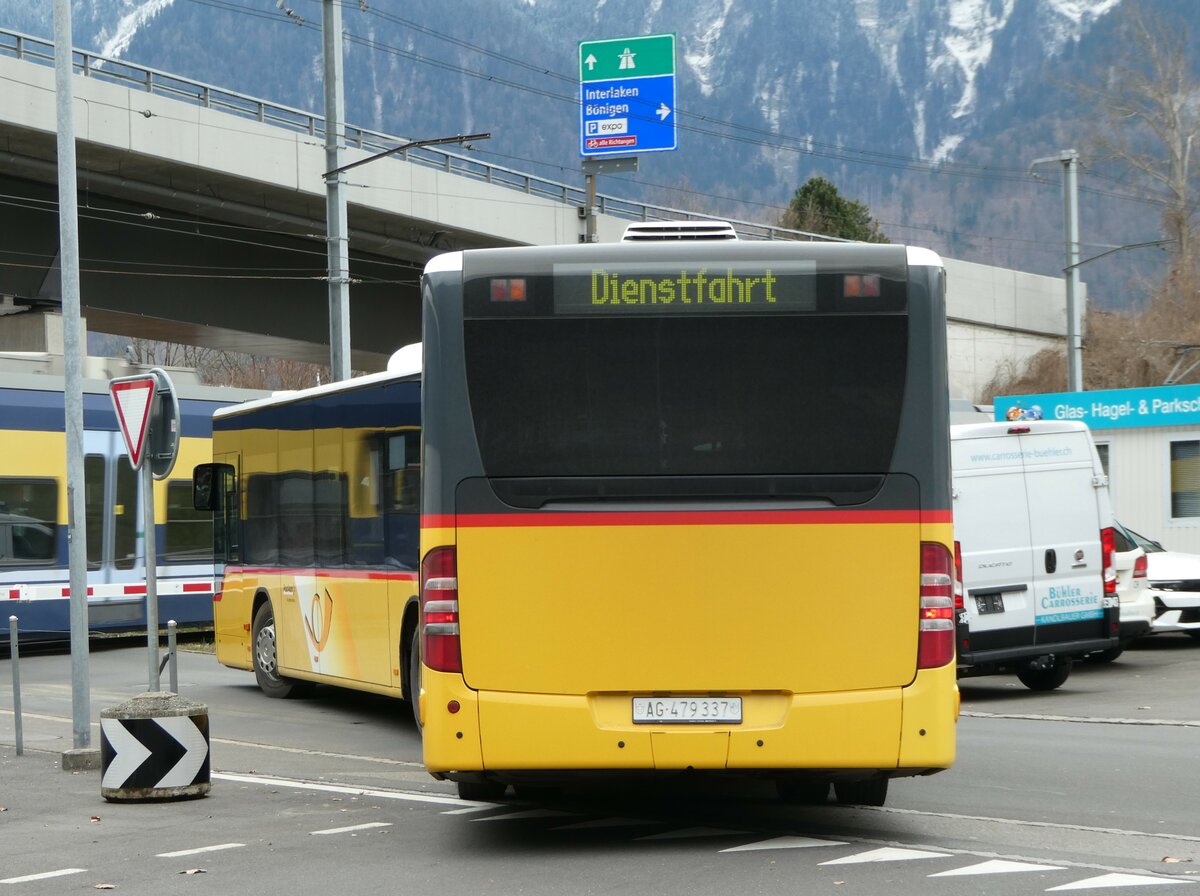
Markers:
point(627, 95)
point(132, 398)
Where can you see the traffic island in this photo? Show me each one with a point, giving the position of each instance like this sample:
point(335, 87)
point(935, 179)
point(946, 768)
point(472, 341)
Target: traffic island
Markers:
point(154, 747)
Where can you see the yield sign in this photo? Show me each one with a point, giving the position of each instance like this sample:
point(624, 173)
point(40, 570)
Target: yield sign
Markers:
point(132, 398)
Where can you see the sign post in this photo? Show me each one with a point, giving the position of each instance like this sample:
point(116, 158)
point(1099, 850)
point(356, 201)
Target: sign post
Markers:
point(148, 414)
point(627, 95)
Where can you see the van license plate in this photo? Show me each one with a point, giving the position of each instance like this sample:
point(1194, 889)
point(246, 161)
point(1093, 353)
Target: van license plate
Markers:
point(990, 603)
point(687, 710)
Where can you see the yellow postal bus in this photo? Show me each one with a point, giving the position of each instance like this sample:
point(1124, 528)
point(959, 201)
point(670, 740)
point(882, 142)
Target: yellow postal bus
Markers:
point(315, 495)
point(686, 505)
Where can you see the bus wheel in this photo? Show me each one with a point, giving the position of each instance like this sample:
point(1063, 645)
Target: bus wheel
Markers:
point(414, 677)
point(1045, 679)
point(872, 792)
point(483, 791)
point(266, 656)
point(802, 791)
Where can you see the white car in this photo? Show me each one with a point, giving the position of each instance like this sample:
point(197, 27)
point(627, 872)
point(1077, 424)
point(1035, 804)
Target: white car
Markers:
point(1174, 580)
point(1136, 604)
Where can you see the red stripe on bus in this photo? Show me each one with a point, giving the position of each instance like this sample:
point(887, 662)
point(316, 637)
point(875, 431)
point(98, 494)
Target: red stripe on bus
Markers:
point(196, 587)
point(131, 590)
point(66, 592)
point(322, 573)
point(682, 518)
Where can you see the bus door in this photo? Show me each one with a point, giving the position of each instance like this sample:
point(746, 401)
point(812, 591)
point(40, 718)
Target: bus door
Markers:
point(230, 579)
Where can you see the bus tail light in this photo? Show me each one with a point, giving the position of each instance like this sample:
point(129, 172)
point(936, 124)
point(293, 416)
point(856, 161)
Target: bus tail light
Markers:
point(1108, 548)
point(958, 577)
point(440, 649)
point(938, 591)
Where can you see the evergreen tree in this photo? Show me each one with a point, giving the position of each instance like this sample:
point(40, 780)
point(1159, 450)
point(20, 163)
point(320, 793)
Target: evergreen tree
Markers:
point(817, 207)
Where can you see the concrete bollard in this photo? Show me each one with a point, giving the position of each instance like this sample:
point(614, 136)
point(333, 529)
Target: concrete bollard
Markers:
point(154, 747)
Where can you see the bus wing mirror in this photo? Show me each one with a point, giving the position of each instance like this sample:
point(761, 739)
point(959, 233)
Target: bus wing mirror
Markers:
point(209, 486)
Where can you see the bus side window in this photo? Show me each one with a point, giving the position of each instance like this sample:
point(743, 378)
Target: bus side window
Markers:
point(189, 532)
point(215, 490)
point(402, 497)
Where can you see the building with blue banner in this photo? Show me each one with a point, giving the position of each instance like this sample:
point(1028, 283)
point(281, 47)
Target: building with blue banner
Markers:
point(1149, 441)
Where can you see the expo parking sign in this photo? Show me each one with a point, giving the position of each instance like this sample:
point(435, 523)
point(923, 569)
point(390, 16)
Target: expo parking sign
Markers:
point(627, 95)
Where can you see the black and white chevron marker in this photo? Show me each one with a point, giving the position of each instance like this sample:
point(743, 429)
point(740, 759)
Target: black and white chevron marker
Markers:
point(154, 748)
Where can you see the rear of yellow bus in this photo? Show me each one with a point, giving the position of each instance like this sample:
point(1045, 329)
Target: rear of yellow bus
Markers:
point(686, 507)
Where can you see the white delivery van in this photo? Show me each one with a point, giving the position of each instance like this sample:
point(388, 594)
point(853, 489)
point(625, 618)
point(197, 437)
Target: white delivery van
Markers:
point(1034, 547)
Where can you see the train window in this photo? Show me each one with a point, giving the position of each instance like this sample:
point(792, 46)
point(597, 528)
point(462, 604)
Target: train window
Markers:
point(28, 528)
point(125, 513)
point(93, 505)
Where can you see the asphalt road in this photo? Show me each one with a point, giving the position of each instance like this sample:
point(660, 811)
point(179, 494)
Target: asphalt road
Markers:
point(1086, 787)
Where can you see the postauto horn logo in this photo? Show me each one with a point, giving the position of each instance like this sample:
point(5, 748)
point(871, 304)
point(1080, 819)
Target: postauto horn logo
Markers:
point(319, 620)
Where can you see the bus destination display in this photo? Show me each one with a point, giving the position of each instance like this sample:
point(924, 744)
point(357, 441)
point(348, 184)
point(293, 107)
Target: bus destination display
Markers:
point(728, 288)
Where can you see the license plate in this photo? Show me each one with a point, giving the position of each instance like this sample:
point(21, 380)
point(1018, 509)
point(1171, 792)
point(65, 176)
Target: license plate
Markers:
point(990, 603)
point(687, 710)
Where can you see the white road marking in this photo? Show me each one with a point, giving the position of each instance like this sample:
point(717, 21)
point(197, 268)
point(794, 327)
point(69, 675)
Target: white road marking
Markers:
point(353, 827)
point(1084, 720)
point(63, 872)
point(406, 796)
point(191, 852)
point(785, 843)
point(887, 854)
point(470, 808)
point(1026, 823)
point(1118, 880)
point(997, 866)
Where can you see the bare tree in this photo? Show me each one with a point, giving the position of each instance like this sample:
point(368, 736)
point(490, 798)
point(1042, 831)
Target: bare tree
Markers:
point(251, 372)
point(1149, 102)
point(1149, 99)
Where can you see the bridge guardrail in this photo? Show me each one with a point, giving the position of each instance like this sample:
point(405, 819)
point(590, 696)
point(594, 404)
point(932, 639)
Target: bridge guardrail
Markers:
point(25, 47)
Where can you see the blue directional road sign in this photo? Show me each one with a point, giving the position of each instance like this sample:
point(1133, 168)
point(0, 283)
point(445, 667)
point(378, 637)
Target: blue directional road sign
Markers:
point(627, 95)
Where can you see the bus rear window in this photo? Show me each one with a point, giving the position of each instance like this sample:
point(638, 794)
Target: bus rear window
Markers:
point(686, 395)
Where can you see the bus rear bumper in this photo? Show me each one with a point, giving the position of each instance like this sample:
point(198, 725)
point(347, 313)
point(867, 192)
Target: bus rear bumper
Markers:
point(895, 731)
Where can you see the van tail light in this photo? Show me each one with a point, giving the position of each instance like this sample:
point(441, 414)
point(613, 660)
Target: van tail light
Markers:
point(938, 591)
point(958, 578)
point(440, 647)
point(1140, 565)
point(1108, 549)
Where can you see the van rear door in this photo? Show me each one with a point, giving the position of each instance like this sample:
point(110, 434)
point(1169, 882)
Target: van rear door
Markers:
point(991, 524)
point(1061, 487)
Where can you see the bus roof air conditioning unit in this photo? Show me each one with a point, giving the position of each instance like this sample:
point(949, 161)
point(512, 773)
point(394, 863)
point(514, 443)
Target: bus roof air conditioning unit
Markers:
point(660, 231)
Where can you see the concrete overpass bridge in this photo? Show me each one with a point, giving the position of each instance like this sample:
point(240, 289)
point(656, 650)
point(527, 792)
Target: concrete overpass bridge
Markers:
point(202, 222)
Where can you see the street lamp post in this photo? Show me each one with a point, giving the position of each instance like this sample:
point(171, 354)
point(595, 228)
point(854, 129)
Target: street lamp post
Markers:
point(1070, 162)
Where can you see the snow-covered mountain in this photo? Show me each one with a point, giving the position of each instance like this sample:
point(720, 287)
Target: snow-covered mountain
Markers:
point(884, 97)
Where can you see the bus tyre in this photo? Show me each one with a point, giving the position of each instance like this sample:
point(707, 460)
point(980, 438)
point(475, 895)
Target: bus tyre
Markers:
point(484, 791)
point(414, 677)
point(802, 791)
point(266, 656)
point(872, 792)
point(1045, 679)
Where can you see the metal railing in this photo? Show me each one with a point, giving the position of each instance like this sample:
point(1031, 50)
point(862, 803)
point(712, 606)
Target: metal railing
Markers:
point(139, 77)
